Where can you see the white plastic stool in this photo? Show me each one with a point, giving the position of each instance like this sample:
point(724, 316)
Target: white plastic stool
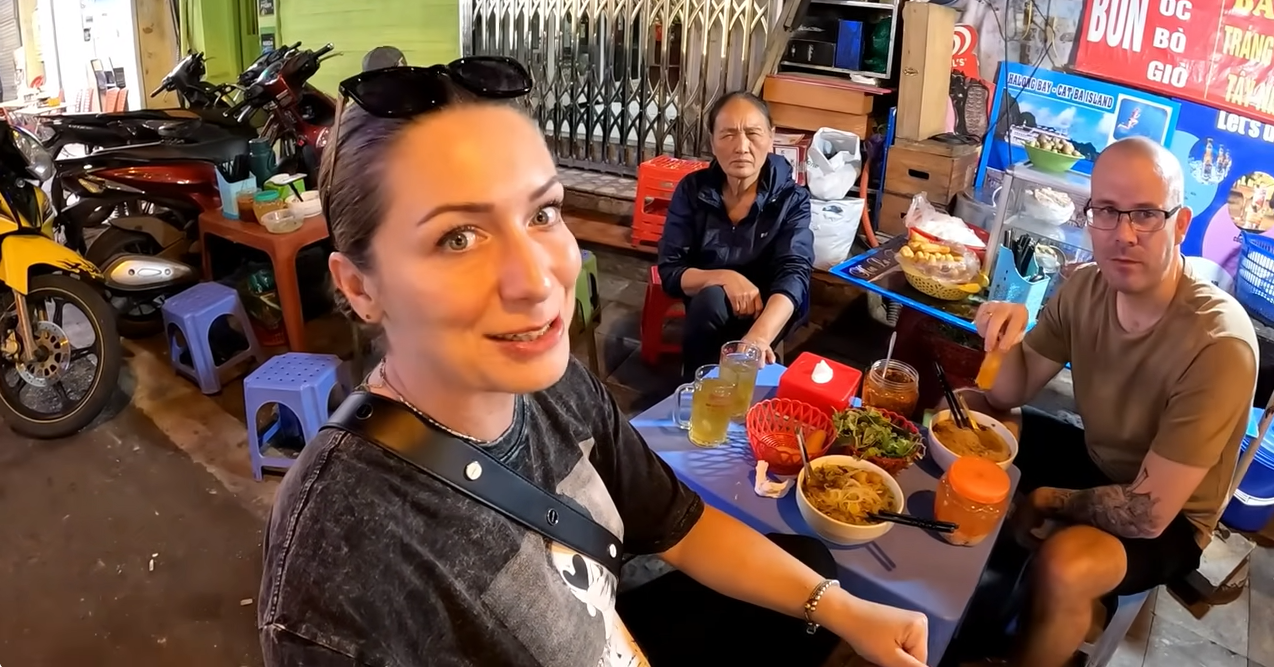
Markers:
point(1126, 609)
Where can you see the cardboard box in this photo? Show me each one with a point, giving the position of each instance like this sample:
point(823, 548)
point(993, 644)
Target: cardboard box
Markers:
point(811, 53)
point(937, 169)
point(925, 85)
point(794, 146)
point(811, 120)
point(817, 29)
point(818, 92)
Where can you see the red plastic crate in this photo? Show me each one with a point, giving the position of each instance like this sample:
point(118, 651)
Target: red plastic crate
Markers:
point(657, 179)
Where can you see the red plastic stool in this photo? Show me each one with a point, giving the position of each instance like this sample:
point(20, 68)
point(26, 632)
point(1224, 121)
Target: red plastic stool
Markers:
point(658, 309)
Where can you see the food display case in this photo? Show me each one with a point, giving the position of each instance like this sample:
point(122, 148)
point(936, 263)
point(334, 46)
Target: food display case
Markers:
point(1047, 208)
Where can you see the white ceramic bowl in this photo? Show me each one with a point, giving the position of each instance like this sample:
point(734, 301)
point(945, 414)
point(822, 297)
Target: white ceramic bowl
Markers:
point(839, 532)
point(281, 222)
point(305, 206)
point(945, 457)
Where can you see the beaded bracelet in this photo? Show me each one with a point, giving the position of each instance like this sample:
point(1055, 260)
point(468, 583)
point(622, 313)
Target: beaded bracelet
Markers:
point(812, 603)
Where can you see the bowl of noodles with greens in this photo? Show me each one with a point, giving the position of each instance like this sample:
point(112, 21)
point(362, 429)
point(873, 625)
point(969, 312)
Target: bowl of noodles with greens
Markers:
point(843, 491)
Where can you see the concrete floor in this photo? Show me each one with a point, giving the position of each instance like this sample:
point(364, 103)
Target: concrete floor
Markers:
point(168, 475)
point(121, 550)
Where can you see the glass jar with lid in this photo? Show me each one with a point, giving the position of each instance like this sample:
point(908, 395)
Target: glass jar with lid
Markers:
point(974, 495)
point(892, 385)
point(266, 201)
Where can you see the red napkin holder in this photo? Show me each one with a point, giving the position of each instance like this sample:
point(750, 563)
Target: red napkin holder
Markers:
point(797, 384)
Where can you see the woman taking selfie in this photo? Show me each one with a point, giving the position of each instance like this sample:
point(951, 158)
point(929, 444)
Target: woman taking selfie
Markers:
point(387, 547)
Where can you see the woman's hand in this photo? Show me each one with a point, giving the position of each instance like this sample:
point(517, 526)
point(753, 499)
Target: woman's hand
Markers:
point(885, 636)
point(744, 297)
point(762, 342)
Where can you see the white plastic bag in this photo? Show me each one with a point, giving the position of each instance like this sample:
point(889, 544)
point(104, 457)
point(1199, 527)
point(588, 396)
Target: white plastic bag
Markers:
point(832, 163)
point(835, 224)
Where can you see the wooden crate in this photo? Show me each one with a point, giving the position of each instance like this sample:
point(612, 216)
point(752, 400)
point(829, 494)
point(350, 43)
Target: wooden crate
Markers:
point(939, 170)
point(893, 213)
point(818, 92)
point(805, 118)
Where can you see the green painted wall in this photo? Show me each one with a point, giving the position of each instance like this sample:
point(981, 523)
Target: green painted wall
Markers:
point(213, 26)
point(427, 31)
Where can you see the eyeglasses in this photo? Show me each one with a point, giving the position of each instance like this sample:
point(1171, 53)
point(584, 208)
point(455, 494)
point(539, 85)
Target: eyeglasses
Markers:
point(403, 93)
point(1143, 220)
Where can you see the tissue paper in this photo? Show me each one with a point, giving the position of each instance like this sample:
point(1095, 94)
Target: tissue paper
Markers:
point(822, 373)
point(767, 488)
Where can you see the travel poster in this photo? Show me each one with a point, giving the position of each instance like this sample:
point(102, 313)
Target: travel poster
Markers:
point(1229, 180)
point(1090, 114)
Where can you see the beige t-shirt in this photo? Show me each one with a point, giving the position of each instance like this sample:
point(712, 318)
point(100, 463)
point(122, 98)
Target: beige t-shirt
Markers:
point(1182, 389)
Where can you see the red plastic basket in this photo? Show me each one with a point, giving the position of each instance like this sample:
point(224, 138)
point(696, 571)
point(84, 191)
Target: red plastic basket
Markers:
point(772, 428)
point(893, 466)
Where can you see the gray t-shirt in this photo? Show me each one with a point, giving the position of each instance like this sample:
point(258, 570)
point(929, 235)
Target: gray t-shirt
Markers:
point(369, 561)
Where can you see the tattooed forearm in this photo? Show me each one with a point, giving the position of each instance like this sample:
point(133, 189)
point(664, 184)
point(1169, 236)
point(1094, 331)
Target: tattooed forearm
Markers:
point(1126, 510)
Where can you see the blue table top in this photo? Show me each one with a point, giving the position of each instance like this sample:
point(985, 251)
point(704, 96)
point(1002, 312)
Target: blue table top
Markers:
point(892, 284)
point(906, 567)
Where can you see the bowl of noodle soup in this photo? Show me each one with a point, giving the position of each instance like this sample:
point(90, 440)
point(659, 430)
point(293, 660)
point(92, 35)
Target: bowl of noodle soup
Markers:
point(948, 442)
point(845, 490)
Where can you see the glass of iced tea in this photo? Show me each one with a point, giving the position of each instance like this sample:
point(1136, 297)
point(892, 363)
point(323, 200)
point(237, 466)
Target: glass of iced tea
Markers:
point(740, 360)
point(894, 387)
point(712, 403)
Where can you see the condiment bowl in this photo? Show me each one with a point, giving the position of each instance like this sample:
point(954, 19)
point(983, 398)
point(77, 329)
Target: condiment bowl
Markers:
point(945, 457)
point(839, 532)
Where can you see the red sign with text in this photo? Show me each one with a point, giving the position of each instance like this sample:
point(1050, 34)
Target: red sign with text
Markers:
point(1216, 52)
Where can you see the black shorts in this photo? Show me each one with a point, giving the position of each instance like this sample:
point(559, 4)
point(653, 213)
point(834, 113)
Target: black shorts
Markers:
point(1053, 454)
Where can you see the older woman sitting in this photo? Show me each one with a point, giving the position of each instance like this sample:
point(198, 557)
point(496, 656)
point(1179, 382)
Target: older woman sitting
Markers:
point(737, 244)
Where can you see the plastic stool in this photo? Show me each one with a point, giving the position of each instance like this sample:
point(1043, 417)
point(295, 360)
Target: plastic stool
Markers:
point(657, 180)
point(193, 312)
point(299, 382)
point(586, 293)
point(657, 309)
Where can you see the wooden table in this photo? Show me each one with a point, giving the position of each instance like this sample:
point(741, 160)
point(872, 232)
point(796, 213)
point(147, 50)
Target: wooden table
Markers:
point(282, 249)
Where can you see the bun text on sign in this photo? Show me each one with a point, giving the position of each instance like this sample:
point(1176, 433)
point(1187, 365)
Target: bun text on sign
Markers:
point(1216, 52)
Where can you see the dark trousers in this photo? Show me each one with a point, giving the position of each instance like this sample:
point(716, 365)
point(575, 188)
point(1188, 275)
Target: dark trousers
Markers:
point(711, 323)
point(679, 622)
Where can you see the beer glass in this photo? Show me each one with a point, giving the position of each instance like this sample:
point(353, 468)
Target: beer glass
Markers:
point(712, 403)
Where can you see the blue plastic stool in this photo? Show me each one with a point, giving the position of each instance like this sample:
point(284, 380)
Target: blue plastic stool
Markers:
point(300, 382)
point(193, 312)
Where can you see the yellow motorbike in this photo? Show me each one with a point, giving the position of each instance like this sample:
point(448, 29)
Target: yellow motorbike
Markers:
point(60, 353)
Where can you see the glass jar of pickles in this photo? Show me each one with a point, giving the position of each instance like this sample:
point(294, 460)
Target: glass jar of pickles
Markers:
point(892, 385)
point(266, 201)
point(974, 495)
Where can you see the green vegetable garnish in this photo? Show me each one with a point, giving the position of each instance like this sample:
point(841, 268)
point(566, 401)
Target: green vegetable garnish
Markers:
point(874, 434)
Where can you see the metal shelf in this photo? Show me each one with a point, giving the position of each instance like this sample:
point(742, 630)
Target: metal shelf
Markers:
point(864, 4)
point(837, 70)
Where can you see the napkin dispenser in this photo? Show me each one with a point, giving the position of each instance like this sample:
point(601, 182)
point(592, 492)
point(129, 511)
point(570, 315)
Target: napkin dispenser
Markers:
point(807, 380)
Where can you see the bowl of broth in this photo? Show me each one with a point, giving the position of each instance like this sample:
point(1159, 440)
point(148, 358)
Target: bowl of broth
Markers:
point(843, 491)
point(948, 442)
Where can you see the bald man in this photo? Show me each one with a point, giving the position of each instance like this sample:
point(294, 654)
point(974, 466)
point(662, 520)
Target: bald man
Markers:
point(1164, 369)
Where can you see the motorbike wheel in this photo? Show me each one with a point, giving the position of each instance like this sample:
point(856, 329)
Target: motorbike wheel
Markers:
point(137, 318)
point(46, 301)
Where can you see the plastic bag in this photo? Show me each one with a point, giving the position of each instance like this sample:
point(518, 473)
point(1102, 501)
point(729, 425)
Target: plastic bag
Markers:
point(832, 163)
point(940, 227)
point(835, 225)
point(951, 264)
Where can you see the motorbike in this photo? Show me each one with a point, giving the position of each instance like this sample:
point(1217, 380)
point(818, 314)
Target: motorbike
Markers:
point(51, 384)
point(150, 196)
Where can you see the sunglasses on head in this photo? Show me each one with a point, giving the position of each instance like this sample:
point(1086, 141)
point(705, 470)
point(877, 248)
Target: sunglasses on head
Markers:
point(406, 92)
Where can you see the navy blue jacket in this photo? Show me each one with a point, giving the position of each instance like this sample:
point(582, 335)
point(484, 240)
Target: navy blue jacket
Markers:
point(772, 246)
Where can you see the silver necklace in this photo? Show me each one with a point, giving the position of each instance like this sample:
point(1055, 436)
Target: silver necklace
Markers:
point(398, 396)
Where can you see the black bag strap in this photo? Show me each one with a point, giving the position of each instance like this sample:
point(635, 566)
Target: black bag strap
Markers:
point(474, 473)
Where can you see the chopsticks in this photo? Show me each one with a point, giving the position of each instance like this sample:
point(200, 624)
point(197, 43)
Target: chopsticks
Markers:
point(958, 413)
point(914, 521)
